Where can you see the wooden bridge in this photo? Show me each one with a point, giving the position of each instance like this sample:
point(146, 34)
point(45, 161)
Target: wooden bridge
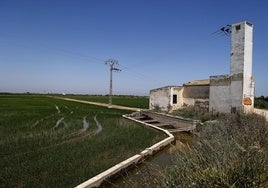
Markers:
point(165, 121)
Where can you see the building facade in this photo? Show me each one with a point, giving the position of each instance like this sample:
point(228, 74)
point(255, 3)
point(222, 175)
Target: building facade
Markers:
point(223, 93)
point(235, 92)
point(195, 93)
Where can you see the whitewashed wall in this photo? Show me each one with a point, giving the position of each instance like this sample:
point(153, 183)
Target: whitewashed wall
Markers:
point(160, 98)
point(261, 112)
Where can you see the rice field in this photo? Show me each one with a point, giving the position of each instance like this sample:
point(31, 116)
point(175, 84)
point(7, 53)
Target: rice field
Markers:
point(129, 101)
point(48, 142)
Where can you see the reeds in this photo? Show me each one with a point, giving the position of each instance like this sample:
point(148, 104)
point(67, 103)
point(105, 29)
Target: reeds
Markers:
point(233, 152)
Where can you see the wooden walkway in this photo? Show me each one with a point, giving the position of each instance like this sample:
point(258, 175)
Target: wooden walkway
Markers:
point(165, 121)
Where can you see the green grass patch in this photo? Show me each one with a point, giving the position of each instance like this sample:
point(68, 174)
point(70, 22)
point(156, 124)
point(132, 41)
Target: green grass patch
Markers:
point(261, 102)
point(129, 101)
point(44, 142)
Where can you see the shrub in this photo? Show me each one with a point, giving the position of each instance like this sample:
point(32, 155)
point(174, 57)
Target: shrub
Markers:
point(194, 113)
point(230, 153)
point(261, 102)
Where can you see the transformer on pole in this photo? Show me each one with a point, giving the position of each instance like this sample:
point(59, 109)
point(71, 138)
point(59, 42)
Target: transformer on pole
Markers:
point(111, 63)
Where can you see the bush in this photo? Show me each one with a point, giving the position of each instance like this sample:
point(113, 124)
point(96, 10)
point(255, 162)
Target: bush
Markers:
point(230, 153)
point(261, 102)
point(193, 113)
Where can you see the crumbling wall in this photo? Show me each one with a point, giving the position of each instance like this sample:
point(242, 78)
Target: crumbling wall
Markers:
point(178, 92)
point(174, 97)
point(261, 112)
point(196, 92)
point(219, 95)
point(160, 98)
point(236, 92)
point(195, 95)
point(242, 85)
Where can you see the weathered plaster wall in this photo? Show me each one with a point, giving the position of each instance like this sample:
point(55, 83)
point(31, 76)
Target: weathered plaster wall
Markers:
point(160, 98)
point(241, 67)
point(237, 48)
point(248, 83)
point(196, 92)
point(188, 102)
point(219, 95)
point(235, 92)
point(261, 112)
point(249, 93)
point(226, 93)
point(176, 91)
point(186, 96)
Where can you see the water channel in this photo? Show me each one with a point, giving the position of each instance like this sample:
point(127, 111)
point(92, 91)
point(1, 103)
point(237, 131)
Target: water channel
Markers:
point(157, 163)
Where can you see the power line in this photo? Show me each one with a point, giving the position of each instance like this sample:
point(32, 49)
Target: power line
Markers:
point(62, 51)
point(87, 58)
point(33, 45)
point(112, 63)
point(223, 31)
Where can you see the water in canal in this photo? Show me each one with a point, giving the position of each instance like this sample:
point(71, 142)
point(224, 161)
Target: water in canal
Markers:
point(154, 165)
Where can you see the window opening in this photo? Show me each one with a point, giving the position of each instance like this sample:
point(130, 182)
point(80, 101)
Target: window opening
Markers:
point(237, 27)
point(174, 99)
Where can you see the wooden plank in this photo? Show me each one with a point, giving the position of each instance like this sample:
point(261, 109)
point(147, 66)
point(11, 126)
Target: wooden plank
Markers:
point(151, 121)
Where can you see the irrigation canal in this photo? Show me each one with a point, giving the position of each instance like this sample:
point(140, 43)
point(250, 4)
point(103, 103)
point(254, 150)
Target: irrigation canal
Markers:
point(156, 163)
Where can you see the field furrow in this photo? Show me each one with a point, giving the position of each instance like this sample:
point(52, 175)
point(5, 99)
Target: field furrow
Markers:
point(98, 125)
point(41, 147)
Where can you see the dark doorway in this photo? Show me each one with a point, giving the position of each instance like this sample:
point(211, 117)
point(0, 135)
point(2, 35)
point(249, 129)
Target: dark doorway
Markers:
point(174, 99)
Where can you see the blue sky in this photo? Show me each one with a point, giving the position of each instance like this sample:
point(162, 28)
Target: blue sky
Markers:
point(61, 45)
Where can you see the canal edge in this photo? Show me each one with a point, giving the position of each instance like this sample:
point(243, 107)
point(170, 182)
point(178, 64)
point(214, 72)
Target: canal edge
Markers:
point(97, 180)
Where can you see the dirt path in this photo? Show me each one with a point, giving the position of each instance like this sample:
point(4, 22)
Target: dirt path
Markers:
point(100, 104)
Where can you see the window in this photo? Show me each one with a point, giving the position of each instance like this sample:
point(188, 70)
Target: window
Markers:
point(237, 27)
point(249, 24)
point(174, 99)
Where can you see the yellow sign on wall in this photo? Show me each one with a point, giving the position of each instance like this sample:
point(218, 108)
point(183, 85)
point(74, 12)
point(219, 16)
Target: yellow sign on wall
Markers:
point(247, 101)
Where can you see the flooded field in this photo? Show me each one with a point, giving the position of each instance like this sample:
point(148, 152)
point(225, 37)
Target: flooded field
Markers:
point(48, 142)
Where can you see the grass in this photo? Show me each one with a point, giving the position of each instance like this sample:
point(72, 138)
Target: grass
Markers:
point(194, 113)
point(230, 153)
point(129, 101)
point(34, 152)
point(261, 102)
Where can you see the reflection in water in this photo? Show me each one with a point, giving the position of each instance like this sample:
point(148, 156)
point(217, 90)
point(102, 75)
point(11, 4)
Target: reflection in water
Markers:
point(154, 165)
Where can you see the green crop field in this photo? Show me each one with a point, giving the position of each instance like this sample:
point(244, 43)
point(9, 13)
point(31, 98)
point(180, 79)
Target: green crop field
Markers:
point(129, 101)
point(48, 142)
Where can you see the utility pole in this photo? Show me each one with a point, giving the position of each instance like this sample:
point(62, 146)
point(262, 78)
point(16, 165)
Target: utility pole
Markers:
point(111, 63)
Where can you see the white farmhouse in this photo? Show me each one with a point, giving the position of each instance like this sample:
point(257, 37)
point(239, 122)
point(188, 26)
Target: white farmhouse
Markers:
point(223, 93)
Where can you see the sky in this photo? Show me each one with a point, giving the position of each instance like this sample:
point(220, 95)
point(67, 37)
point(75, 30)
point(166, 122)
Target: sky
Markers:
point(60, 46)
